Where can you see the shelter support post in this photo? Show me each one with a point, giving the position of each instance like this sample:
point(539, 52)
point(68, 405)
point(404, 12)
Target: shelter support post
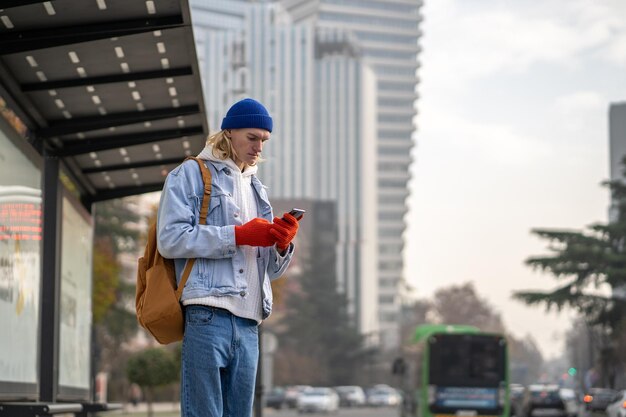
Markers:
point(51, 282)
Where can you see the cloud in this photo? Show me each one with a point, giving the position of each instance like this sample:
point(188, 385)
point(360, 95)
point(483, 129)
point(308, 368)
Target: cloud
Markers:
point(616, 51)
point(493, 142)
point(499, 154)
point(604, 22)
point(483, 40)
point(576, 111)
point(582, 119)
point(580, 102)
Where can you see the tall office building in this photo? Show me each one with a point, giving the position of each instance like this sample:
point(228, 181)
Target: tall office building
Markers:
point(617, 139)
point(323, 100)
point(617, 153)
point(388, 33)
point(617, 146)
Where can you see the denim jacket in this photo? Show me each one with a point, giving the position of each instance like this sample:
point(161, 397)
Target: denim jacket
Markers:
point(179, 236)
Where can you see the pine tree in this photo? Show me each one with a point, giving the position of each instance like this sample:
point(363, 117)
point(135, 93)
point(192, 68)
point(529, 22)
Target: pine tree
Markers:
point(584, 261)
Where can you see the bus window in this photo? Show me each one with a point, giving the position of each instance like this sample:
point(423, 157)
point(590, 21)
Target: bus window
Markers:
point(466, 361)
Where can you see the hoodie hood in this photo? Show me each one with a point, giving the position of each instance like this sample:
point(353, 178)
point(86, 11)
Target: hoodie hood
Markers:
point(207, 155)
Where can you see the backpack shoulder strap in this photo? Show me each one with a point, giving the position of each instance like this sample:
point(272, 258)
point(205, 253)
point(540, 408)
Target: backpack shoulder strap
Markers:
point(206, 179)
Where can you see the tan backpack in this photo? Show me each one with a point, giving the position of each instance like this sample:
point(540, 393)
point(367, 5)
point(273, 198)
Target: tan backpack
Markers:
point(157, 298)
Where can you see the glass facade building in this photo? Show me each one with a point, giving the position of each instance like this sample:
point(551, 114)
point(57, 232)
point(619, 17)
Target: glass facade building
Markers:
point(388, 32)
point(323, 100)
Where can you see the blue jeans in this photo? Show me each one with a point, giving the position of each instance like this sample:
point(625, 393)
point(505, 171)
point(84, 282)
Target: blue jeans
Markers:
point(219, 363)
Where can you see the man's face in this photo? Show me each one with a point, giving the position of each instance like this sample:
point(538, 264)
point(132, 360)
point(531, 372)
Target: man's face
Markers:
point(247, 144)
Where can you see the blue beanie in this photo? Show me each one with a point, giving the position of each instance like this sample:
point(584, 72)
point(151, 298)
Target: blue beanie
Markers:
point(247, 113)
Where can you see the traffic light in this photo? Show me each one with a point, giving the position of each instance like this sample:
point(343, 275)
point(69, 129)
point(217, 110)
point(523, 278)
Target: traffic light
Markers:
point(572, 371)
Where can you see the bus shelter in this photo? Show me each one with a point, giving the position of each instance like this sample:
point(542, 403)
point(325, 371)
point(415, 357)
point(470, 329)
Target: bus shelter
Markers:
point(99, 100)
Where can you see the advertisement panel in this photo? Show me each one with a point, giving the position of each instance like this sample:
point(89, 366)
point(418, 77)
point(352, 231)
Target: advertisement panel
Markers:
point(75, 314)
point(467, 398)
point(20, 270)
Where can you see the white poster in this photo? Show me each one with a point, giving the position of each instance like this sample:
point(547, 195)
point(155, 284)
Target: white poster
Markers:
point(20, 264)
point(75, 318)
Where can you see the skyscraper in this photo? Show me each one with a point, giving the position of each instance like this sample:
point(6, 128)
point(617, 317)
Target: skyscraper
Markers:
point(388, 33)
point(323, 100)
point(617, 139)
point(617, 146)
point(617, 154)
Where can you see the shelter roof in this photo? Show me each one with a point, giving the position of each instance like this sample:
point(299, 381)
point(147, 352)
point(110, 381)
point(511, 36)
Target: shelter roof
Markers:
point(111, 87)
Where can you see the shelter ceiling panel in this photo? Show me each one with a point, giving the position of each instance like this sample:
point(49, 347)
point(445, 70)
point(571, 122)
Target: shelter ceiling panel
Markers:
point(63, 13)
point(112, 98)
point(176, 149)
point(105, 57)
point(105, 84)
point(139, 177)
point(154, 126)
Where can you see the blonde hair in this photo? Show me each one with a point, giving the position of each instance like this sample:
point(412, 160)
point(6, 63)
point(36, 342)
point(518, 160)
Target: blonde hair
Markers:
point(223, 147)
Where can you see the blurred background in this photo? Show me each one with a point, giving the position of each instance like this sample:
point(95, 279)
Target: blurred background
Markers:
point(460, 164)
point(431, 213)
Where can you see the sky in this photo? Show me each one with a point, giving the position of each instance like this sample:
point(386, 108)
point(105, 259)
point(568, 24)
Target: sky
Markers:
point(512, 134)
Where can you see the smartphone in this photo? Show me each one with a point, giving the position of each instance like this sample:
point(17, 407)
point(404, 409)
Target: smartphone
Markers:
point(297, 213)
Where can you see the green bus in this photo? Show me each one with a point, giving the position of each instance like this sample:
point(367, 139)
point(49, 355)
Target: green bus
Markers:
point(464, 372)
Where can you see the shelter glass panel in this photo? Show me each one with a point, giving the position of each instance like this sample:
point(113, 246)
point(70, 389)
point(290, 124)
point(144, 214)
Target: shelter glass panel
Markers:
point(76, 280)
point(20, 262)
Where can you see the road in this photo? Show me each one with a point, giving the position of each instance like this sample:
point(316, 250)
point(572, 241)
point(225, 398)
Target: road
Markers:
point(343, 412)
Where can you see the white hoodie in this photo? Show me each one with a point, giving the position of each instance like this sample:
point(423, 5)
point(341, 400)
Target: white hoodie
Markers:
point(250, 306)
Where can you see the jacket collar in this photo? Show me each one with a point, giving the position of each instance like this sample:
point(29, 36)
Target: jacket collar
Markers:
point(222, 164)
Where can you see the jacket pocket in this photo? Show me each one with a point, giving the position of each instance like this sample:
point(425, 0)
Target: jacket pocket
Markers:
point(214, 215)
point(199, 315)
point(206, 271)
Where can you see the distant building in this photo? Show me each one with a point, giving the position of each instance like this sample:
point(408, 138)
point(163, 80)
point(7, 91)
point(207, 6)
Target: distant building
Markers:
point(323, 99)
point(617, 139)
point(387, 32)
point(617, 153)
point(316, 234)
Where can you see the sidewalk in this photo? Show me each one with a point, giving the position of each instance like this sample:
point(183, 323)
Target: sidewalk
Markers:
point(159, 409)
point(141, 409)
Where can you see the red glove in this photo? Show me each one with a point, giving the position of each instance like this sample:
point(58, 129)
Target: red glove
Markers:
point(284, 230)
point(255, 233)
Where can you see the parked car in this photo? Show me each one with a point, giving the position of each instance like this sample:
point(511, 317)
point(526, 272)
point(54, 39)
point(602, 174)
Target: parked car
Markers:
point(597, 399)
point(319, 399)
point(516, 394)
point(383, 396)
point(350, 396)
point(275, 398)
point(292, 393)
point(571, 399)
point(617, 408)
point(549, 399)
